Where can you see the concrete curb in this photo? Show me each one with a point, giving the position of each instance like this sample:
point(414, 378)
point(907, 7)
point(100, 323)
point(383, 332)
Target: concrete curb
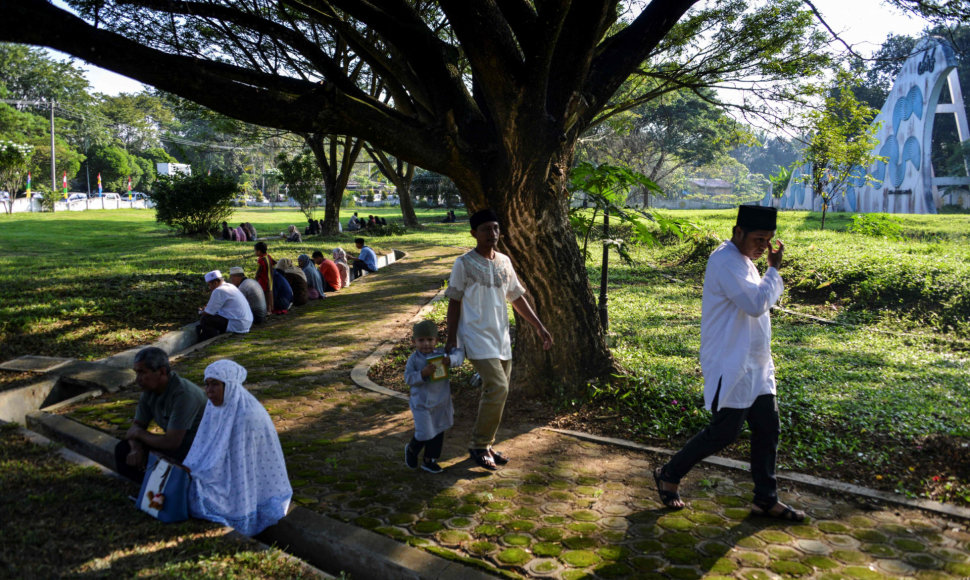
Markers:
point(323, 542)
point(809, 480)
point(362, 368)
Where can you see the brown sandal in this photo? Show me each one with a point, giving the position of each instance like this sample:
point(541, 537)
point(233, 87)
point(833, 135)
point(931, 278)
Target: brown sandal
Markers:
point(786, 514)
point(483, 458)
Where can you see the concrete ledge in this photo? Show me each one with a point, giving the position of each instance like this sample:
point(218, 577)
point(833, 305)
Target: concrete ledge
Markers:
point(329, 544)
point(362, 368)
point(809, 480)
point(89, 442)
point(323, 542)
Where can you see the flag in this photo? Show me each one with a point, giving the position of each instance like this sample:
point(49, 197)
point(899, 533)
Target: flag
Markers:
point(28, 185)
point(99, 184)
point(129, 188)
point(64, 184)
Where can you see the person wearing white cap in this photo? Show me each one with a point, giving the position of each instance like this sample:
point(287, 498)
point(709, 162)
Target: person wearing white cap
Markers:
point(227, 310)
point(252, 291)
point(238, 470)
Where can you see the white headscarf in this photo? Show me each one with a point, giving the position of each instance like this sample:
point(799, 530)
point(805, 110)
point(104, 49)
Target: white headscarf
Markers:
point(339, 255)
point(238, 471)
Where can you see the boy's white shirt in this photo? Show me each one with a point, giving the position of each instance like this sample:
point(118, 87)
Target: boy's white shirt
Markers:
point(484, 287)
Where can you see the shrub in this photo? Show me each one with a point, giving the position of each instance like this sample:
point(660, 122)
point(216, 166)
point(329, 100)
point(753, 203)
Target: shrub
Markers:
point(876, 224)
point(193, 205)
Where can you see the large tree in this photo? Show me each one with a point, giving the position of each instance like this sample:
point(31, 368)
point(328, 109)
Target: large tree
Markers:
point(491, 93)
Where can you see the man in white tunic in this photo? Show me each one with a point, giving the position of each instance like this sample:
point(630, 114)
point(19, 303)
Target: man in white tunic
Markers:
point(739, 375)
point(481, 282)
point(226, 311)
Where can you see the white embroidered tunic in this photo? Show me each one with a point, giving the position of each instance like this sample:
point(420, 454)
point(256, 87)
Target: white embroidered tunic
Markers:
point(483, 286)
point(736, 329)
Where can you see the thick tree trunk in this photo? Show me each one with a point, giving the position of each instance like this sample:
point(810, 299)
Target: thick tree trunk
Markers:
point(538, 238)
point(400, 173)
point(407, 207)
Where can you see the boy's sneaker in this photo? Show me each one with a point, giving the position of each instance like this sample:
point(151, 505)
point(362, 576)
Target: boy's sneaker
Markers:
point(431, 466)
point(410, 457)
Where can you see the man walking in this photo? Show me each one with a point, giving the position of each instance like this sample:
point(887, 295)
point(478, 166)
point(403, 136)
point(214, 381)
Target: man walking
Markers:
point(739, 375)
point(481, 282)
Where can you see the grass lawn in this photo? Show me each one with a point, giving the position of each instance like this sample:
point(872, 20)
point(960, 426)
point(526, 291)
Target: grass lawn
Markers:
point(880, 398)
point(88, 284)
point(61, 520)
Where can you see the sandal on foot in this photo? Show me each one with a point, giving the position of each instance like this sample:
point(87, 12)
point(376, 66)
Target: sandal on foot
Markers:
point(786, 514)
point(667, 497)
point(483, 458)
point(497, 457)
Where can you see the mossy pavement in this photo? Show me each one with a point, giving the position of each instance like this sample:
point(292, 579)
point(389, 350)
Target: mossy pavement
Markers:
point(563, 508)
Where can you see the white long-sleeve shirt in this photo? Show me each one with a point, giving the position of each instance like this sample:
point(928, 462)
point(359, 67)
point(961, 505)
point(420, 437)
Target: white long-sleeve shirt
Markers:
point(736, 329)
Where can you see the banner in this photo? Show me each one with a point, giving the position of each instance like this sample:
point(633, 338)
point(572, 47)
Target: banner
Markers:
point(64, 184)
point(99, 184)
point(129, 188)
point(28, 185)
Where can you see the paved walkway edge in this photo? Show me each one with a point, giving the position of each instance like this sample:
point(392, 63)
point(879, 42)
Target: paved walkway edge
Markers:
point(810, 480)
point(362, 368)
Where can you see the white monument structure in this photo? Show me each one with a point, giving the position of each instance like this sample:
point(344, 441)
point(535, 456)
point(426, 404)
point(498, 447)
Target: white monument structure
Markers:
point(904, 182)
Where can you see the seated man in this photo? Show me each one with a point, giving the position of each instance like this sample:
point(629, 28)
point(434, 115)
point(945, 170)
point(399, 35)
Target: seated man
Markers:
point(329, 272)
point(365, 260)
point(353, 224)
point(252, 291)
point(173, 403)
point(227, 310)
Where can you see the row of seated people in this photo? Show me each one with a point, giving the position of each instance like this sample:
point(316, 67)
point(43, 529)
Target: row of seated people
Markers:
point(357, 223)
point(278, 286)
point(222, 435)
point(244, 233)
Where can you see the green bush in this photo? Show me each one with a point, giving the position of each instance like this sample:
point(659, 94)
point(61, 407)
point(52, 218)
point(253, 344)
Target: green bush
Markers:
point(195, 204)
point(876, 224)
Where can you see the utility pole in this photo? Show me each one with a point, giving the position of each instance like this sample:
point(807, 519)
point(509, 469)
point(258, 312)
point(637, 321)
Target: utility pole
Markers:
point(53, 154)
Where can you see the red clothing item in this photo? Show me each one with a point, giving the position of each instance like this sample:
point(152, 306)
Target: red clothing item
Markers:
point(330, 273)
point(264, 273)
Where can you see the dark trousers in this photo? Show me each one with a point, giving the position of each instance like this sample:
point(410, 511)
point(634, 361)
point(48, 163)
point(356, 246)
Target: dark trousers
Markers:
point(725, 426)
point(329, 288)
point(211, 325)
point(137, 474)
point(432, 447)
point(359, 267)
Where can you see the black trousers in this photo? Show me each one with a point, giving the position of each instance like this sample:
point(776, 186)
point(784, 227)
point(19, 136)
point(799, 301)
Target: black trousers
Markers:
point(359, 267)
point(432, 447)
point(137, 474)
point(211, 325)
point(723, 430)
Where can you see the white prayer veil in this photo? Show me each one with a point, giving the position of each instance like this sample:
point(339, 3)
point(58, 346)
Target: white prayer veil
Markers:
point(238, 470)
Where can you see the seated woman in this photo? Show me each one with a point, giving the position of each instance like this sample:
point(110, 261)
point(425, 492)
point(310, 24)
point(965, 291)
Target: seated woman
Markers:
point(340, 258)
point(292, 235)
point(313, 280)
point(297, 280)
point(238, 471)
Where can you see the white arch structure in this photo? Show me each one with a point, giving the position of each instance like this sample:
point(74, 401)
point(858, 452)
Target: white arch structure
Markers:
point(904, 182)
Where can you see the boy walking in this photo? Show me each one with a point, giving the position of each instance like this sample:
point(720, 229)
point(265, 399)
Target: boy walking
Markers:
point(481, 282)
point(427, 375)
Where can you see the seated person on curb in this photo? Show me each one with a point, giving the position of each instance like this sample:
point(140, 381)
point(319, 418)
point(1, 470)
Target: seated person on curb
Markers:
point(238, 470)
point(282, 293)
point(252, 291)
point(227, 310)
point(340, 259)
point(329, 272)
point(297, 280)
point(313, 280)
point(173, 403)
point(365, 260)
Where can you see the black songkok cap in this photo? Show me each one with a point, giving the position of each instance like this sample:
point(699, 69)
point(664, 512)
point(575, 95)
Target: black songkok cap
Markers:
point(756, 217)
point(482, 217)
point(425, 329)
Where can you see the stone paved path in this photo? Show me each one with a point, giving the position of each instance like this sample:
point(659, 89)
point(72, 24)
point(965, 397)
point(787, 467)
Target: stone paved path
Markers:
point(563, 508)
